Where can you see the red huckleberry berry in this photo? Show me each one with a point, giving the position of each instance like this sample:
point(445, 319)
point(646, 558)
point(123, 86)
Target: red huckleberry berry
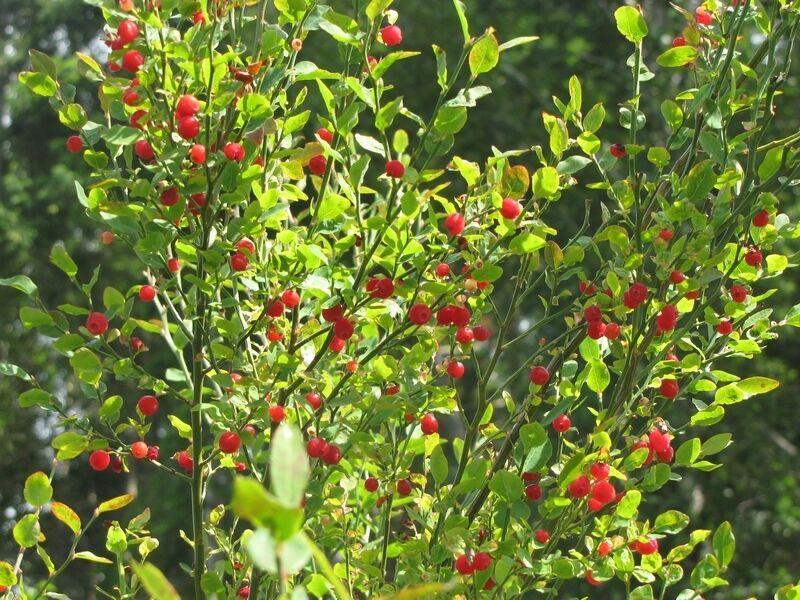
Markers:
point(189, 128)
point(579, 487)
point(561, 423)
point(455, 369)
point(464, 565)
point(429, 424)
point(600, 470)
point(542, 536)
point(464, 335)
point(419, 314)
point(239, 261)
point(724, 327)
point(315, 447)
point(99, 460)
point(753, 257)
point(290, 298)
point(127, 31)
point(147, 293)
point(132, 60)
point(187, 106)
point(170, 196)
point(229, 442)
point(666, 235)
point(97, 323)
point(277, 413)
point(147, 405)
point(173, 265)
point(617, 150)
point(603, 492)
point(371, 484)
point(443, 270)
point(395, 169)
point(343, 328)
point(761, 219)
point(332, 455)
point(314, 400)
point(678, 41)
point(658, 441)
point(596, 330)
point(139, 450)
point(511, 209)
point(143, 150)
point(74, 144)
point(333, 314)
point(604, 548)
point(481, 561)
point(677, 277)
point(380, 287)
point(325, 134)
point(612, 331)
point(481, 333)
point(669, 388)
point(318, 164)
point(738, 293)
point(647, 547)
point(244, 591)
point(391, 35)
point(454, 223)
point(635, 295)
point(404, 487)
point(539, 375)
point(337, 345)
point(591, 580)
point(197, 154)
point(703, 16)
point(233, 151)
point(533, 492)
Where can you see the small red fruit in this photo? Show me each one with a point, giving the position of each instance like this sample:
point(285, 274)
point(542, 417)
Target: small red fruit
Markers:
point(703, 17)
point(173, 265)
point(290, 298)
point(604, 548)
point(99, 460)
point(464, 565)
point(738, 293)
point(753, 257)
point(677, 277)
point(429, 424)
point(276, 309)
point(454, 223)
point(395, 169)
point(539, 375)
point(139, 450)
point(197, 154)
point(603, 492)
point(127, 31)
point(612, 331)
point(332, 455)
point(277, 413)
point(187, 106)
point(761, 219)
point(669, 388)
point(96, 323)
point(481, 333)
point(617, 150)
point(481, 561)
point(464, 335)
point(316, 447)
point(678, 41)
point(580, 487)
point(229, 442)
point(343, 328)
point(392, 35)
point(646, 547)
point(147, 293)
point(325, 134)
point(143, 150)
point(404, 487)
point(189, 128)
point(600, 470)
point(419, 314)
point(132, 60)
point(371, 484)
point(239, 261)
point(533, 492)
point(562, 423)
point(148, 405)
point(74, 144)
point(511, 209)
point(455, 369)
point(724, 327)
point(314, 400)
point(318, 164)
point(233, 151)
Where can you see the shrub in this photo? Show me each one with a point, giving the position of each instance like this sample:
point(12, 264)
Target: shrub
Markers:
point(323, 270)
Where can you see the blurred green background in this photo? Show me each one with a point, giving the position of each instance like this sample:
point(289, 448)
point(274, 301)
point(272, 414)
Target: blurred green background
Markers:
point(758, 489)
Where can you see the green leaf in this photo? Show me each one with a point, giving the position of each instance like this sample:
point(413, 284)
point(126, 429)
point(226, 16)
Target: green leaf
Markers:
point(484, 55)
point(599, 377)
point(35, 397)
point(66, 515)
point(670, 522)
point(113, 299)
point(42, 63)
point(594, 118)
point(332, 206)
point(438, 465)
point(38, 490)
point(27, 531)
point(10, 370)
point(61, 258)
point(7, 576)
point(92, 557)
point(289, 467)
point(72, 116)
point(629, 505)
point(631, 23)
point(69, 445)
point(700, 181)
point(21, 283)
point(644, 592)
point(33, 317)
point(87, 366)
point(518, 41)
point(115, 503)
point(739, 391)
point(677, 57)
point(545, 182)
point(40, 84)
point(252, 502)
point(526, 243)
point(507, 485)
point(387, 113)
point(184, 429)
point(462, 19)
point(716, 444)
point(109, 410)
point(154, 581)
point(724, 544)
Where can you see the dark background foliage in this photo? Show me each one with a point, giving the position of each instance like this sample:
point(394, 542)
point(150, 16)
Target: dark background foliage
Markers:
point(757, 489)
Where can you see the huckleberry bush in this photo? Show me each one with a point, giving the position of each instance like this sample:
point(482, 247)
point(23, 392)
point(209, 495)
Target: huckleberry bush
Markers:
point(351, 309)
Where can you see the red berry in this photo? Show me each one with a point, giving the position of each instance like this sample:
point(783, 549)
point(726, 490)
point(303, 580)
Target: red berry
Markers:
point(74, 144)
point(703, 17)
point(591, 580)
point(170, 196)
point(603, 492)
point(617, 150)
point(604, 548)
point(97, 323)
point(669, 388)
point(464, 565)
point(454, 223)
point(562, 423)
point(229, 442)
point(579, 487)
point(239, 261)
point(185, 460)
point(600, 470)
point(325, 134)
point(753, 257)
point(187, 106)
point(244, 591)
point(143, 150)
point(189, 128)
point(761, 219)
point(148, 405)
point(290, 298)
point(596, 330)
point(153, 452)
point(533, 492)
point(147, 293)
point(442, 270)
point(132, 60)
point(173, 265)
point(314, 400)
point(277, 413)
point(678, 41)
point(380, 287)
point(404, 487)
point(139, 450)
point(316, 447)
point(276, 309)
point(333, 314)
point(511, 209)
point(337, 345)
point(677, 277)
point(332, 455)
point(318, 164)
point(658, 442)
point(429, 424)
point(646, 547)
point(233, 151)
point(724, 327)
point(127, 31)
point(738, 293)
point(197, 154)
point(464, 335)
point(391, 35)
point(539, 375)
point(343, 328)
point(531, 476)
point(665, 235)
point(542, 536)
point(99, 460)
point(481, 561)
point(371, 484)
point(395, 169)
point(635, 295)
point(130, 97)
point(481, 333)
point(419, 314)
point(455, 369)
point(612, 331)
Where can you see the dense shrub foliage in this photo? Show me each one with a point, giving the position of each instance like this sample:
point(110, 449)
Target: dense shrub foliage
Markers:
point(322, 269)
